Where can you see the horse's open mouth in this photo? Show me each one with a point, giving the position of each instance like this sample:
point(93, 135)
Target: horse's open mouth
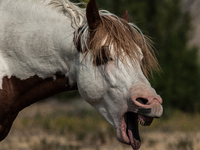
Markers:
point(132, 132)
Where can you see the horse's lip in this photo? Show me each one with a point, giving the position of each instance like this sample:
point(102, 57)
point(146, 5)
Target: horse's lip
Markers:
point(122, 134)
point(122, 130)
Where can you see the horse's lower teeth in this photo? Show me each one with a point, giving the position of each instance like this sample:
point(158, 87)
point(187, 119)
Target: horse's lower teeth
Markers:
point(142, 122)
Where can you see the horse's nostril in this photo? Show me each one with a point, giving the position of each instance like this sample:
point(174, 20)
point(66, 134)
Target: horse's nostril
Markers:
point(142, 100)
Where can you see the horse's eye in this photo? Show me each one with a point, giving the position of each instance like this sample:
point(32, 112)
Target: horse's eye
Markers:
point(106, 59)
point(103, 57)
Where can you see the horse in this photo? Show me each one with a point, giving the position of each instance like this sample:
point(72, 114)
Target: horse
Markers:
point(51, 46)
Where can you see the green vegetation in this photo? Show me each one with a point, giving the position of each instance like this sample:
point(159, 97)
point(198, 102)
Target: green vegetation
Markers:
point(182, 144)
point(178, 121)
point(87, 125)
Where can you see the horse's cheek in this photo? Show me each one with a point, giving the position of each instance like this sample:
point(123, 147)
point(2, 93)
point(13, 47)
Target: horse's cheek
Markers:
point(92, 89)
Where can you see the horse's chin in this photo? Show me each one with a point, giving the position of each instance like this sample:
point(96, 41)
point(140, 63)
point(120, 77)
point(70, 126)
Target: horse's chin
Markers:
point(128, 131)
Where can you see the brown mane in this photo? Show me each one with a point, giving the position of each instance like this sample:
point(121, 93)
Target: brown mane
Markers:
point(125, 40)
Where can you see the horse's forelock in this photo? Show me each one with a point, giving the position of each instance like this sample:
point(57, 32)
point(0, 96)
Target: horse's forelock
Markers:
point(124, 38)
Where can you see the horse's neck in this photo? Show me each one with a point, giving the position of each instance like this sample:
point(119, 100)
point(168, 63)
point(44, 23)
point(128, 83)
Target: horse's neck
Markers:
point(36, 54)
point(34, 46)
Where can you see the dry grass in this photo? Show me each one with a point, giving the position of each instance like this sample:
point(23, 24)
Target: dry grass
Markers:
point(52, 125)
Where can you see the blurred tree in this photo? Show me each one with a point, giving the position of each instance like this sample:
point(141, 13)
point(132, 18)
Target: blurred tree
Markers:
point(168, 26)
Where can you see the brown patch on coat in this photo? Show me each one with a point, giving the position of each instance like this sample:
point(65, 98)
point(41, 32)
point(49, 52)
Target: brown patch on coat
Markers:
point(17, 94)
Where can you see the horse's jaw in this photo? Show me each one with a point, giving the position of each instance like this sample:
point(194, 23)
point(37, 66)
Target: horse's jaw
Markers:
point(125, 114)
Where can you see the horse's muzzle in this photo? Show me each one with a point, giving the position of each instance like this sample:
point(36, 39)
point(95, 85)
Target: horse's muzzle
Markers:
point(145, 101)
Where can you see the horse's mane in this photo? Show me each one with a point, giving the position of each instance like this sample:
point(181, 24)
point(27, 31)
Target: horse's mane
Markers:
point(125, 37)
point(71, 10)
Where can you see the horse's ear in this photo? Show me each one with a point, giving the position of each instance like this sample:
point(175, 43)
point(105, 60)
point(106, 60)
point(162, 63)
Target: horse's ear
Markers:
point(92, 13)
point(125, 16)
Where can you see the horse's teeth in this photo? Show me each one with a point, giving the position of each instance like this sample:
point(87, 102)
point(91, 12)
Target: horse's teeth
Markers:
point(142, 122)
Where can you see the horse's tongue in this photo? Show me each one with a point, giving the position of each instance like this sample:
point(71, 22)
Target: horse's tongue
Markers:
point(132, 130)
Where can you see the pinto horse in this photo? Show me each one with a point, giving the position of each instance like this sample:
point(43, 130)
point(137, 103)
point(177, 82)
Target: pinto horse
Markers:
point(51, 46)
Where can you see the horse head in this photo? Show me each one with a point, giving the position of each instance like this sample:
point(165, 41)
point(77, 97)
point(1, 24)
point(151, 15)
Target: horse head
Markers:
point(111, 73)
